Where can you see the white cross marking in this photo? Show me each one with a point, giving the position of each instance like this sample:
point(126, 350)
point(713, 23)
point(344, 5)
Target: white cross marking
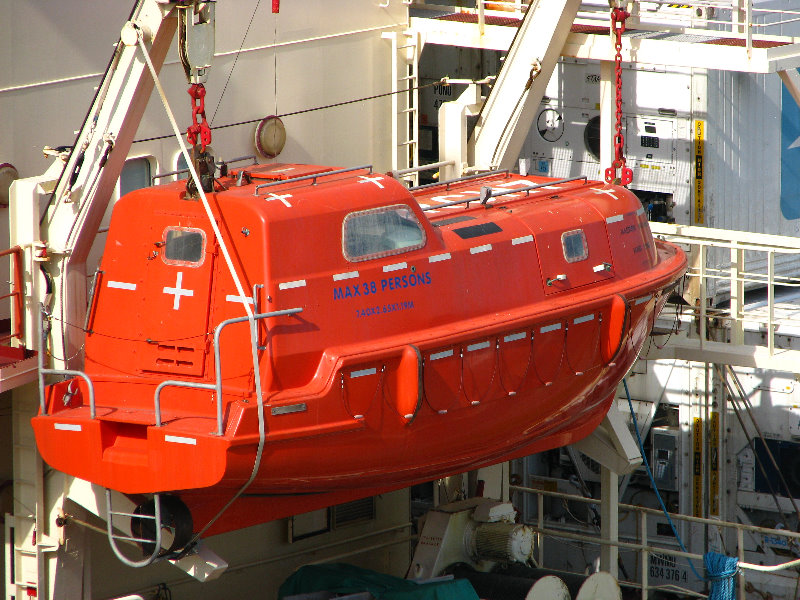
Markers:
point(178, 291)
point(375, 180)
point(607, 192)
point(446, 198)
point(516, 183)
point(281, 197)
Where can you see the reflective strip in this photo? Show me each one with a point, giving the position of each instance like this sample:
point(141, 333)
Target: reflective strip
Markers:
point(288, 409)
point(439, 257)
point(394, 267)
point(553, 327)
point(234, 298)
point(614, 219)
point(292, 284)
point(479, 249)
point(176, 439)
point(642, 300)
point(443, 354)
point(515, 336)
point(121, 285)
point(640, 211)
point(340, 276)
point(478, 346)
point(67, 426)
point(522, 240)
point(583, 319)
point(363, 372)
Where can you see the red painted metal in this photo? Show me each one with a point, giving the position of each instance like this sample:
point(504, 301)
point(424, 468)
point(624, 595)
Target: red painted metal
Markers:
point(474, 342)
point(199, 126)
point(16, 293)
point(618, 17)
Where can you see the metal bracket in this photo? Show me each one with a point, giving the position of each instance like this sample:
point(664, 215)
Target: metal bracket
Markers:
point(196, 34)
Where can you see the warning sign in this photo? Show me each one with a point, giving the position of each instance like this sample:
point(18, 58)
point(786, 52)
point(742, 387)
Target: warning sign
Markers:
point(713, 450)
point(697, 472)
point(699, 186)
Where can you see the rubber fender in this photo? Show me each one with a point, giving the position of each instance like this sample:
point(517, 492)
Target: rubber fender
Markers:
point(614, 328)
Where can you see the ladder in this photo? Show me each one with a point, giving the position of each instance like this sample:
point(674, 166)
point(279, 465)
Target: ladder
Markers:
point(26, 541)
point(406, 49)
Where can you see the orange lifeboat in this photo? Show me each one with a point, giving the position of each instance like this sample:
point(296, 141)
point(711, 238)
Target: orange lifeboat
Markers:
point(399, 335)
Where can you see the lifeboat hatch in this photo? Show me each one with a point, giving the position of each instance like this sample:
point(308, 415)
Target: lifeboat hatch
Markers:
point(574, 256)
point(176, 297)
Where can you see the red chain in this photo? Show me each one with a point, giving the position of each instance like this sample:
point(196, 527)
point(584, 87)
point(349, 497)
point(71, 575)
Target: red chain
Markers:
point(618, 16)
point(199, 126)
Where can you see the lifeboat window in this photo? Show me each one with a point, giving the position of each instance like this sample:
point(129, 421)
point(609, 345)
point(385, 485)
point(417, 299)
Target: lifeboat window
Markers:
point(574, 245)
point(381, 232)
point(184, 246)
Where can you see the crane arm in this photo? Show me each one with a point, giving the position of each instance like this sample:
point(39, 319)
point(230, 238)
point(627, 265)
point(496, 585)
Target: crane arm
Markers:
point(87, 182)
point(509, 110)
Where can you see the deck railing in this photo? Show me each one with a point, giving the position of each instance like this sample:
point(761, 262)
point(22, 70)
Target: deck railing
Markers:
point(645, 546)
point(719, 282)
point(740, 18)
point(16, 297)
point(215, 387)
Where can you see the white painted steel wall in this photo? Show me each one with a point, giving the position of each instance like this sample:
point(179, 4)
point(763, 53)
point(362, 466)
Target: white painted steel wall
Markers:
point(309, 55)
point(44, 43)
point(53, 53)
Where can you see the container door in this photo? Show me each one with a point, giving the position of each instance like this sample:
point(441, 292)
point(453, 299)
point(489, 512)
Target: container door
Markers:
point(177, 289)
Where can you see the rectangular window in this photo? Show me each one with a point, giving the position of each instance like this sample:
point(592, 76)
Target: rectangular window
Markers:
point(181, 167)
point(135, 175)
point(574, 245)
point(184, 246)
point(381, 232)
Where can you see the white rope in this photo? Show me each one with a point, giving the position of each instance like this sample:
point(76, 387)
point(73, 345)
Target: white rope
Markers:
point(242, 296)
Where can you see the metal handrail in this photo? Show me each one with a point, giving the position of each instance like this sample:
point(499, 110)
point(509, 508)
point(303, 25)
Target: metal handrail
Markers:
point(177, 383)
point(18, 306)
point(218, 360)
point(186, 170)
point(483, 198)
point(737, 243)
point(217, 385)
point(313, 176)
point(643, 546)
point(720, 18)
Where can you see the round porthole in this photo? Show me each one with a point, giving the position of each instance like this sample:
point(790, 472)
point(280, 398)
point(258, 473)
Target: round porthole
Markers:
point(270, 137)
point(591, 137)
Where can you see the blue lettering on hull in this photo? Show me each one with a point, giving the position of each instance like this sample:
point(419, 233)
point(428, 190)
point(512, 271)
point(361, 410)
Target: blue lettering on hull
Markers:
point(387, 284)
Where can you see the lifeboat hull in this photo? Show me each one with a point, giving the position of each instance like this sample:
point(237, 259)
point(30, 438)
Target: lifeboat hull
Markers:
point(483, 336)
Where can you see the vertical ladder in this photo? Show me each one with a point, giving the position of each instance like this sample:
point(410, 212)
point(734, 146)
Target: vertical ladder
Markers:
point(405, 102)
point(26, 540)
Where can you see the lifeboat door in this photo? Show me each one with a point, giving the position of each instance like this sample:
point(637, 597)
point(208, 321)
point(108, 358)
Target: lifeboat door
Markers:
point(174, 312)
point(575, 254)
